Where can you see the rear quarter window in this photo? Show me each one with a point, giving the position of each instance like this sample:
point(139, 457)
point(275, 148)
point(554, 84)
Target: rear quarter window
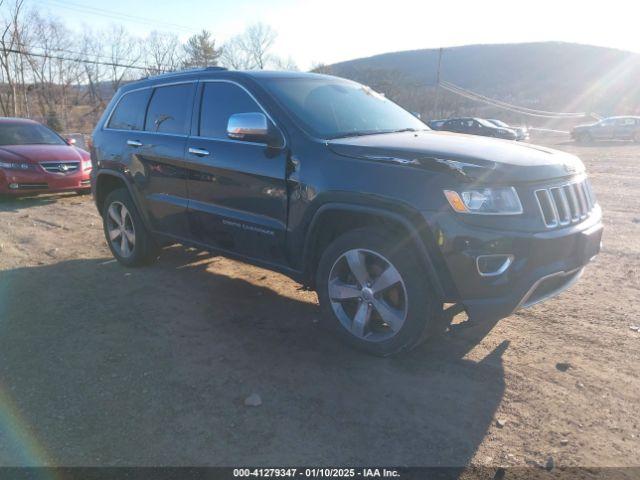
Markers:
point(130, 110)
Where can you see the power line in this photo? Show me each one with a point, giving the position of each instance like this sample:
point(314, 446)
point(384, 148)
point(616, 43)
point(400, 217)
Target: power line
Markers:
point(506, 106)
point(76, 52)
point(79, 60)
point(117, 15)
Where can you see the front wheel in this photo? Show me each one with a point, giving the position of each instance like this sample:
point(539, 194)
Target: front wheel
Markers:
point(126, 234)
point(374, 294)
point(585, 138)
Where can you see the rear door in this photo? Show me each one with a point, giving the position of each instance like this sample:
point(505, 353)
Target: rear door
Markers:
point(625, 128)
point(237, 189)
point(157, 157)
point(452, 126)
point(604, 130)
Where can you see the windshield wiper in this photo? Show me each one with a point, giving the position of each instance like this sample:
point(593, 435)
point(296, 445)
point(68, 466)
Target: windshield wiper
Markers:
point(358, 134)
point(410, 129)
point(375, 132)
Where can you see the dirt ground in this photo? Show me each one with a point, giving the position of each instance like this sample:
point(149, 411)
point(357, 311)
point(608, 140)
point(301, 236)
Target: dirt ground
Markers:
point(104, 365)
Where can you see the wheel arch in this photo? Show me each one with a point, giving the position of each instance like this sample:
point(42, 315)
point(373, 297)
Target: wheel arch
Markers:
point(110, 180)
point(333, 219)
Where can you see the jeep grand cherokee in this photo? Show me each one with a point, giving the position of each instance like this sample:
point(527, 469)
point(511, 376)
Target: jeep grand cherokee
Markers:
point(336, 186)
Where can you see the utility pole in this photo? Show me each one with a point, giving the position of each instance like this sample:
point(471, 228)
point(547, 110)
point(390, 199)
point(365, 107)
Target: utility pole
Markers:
point(437, 100)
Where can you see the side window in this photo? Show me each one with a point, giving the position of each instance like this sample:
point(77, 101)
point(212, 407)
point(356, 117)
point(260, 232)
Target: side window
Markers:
point(220, 100)
point(130, 110)
point(169, 109)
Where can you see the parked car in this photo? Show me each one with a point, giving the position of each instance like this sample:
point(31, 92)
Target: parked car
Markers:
point(522, 133)
point(339, 188)
point(478, 126)
point(612, 128)
point(35, 159)
point(436, 124)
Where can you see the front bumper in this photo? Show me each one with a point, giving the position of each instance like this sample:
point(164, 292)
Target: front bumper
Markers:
point(544, 263)
point(29, 182)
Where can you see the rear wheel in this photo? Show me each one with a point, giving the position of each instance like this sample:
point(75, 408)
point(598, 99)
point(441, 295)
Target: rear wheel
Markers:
point(127, 237)
point(83, 191)
point(374, 295)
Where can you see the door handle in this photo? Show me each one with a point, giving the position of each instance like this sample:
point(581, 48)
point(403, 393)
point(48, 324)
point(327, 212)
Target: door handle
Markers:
point(134, 143)
point(200, 152)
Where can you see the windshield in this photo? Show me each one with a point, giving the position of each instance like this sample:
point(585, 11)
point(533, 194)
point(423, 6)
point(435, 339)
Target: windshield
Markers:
point(28, 134)
point(332, 108)
point(499, 123)
point(485, 123)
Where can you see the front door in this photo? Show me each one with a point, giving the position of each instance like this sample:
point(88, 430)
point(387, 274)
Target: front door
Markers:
point(604, 130)
point(237, 189)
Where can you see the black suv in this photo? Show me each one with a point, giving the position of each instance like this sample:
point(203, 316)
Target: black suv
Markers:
point(334, 185)
point(478, 126)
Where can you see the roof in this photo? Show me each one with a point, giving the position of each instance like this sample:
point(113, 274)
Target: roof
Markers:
point(214, 72)
point(14, 120)
point(622, 116)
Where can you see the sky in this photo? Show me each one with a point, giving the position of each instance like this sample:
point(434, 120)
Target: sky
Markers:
point(329, 31)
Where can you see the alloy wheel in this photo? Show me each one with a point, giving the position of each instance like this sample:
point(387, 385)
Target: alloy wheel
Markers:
point(122, 234)
point(368, 295)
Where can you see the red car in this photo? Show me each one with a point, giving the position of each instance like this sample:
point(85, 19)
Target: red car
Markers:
point(35, 159)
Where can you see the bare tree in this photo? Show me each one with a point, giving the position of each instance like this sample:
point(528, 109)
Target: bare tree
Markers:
point(163, 52)
point(287, 64)
point(53, 77)
point(123, 51)
point(251, 50)
point(322, 68)
point(234, 55)
point(11, 64)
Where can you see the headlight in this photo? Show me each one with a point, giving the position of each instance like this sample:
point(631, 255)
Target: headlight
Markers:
point(485, 201)
point(14, 166)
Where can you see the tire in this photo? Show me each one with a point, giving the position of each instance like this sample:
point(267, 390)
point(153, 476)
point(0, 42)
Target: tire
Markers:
point(410, 303)
point(139, 248)
point(83, 191)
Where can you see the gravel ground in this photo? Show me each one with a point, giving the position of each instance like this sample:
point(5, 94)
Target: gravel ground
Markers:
point(104, 365)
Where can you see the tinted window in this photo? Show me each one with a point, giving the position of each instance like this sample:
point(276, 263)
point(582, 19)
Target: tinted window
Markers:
point(169, 109)
point(220, 100)
point(129, 113)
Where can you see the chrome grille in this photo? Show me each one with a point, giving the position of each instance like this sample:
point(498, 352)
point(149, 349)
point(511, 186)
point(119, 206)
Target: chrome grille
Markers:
point(60, 167)
point(566, 204)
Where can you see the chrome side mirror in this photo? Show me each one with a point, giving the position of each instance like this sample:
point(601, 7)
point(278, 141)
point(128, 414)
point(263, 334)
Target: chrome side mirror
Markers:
point(248, 126)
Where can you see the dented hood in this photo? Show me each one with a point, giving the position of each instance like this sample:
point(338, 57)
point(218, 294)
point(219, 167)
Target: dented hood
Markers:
point(471, 157)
